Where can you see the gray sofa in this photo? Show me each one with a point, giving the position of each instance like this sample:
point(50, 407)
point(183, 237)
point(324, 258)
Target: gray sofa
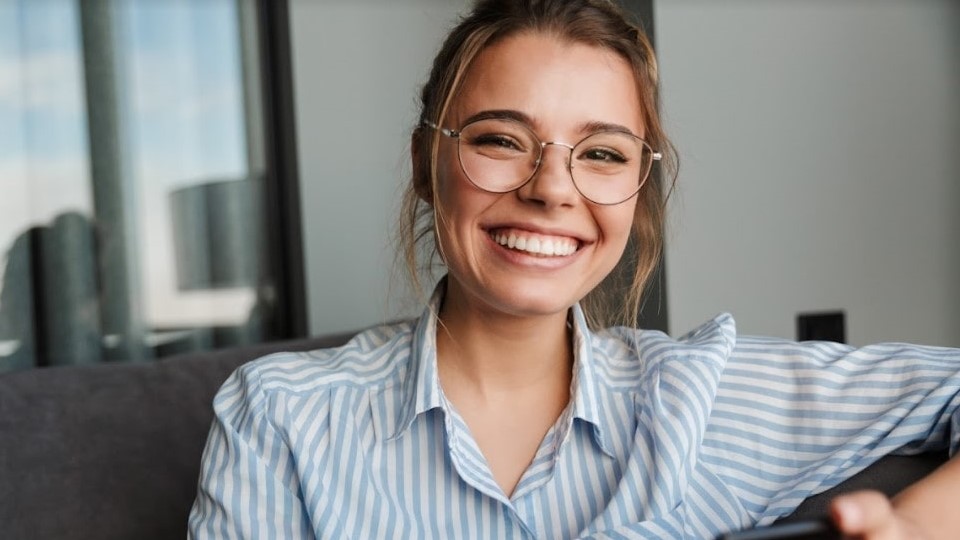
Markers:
point(112, 451)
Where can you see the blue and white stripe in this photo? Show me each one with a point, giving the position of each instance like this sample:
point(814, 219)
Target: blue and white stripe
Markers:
point(663, 438)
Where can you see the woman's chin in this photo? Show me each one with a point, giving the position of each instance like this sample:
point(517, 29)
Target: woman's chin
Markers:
point(524, 301)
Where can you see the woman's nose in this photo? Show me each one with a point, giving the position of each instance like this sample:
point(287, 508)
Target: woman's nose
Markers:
point(552, 184)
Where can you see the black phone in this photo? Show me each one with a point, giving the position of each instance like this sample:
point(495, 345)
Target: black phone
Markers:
point(820, 529)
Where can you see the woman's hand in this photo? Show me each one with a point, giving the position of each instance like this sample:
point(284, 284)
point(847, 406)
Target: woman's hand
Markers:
point(926, 510)
point(869, 515)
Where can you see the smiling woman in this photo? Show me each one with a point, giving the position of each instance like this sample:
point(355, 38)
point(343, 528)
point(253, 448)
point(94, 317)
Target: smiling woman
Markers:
point(564, 91)
point(501, 412)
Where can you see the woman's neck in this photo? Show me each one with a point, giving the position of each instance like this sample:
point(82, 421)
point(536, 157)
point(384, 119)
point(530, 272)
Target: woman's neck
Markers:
point(497, 355)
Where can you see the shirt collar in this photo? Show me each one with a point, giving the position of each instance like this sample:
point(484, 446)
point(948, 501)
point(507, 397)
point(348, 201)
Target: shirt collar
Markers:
point(585, 386)
point(421, 387)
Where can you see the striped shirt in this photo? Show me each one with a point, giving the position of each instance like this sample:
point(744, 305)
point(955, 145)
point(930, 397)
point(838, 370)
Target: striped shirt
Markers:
point(662, 438)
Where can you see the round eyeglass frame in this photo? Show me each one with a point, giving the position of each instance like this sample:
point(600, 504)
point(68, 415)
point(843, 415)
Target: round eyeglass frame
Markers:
point(455, 134)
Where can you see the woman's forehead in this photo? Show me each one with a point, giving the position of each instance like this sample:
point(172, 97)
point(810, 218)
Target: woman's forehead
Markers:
point(558, 84)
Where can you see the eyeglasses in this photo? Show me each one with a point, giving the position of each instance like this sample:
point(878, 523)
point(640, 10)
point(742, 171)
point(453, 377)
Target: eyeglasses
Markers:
point(500, 155)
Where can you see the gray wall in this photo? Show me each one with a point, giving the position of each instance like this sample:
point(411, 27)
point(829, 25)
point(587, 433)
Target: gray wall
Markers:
point(820, 164)
point(817, 143)
point(357, 66)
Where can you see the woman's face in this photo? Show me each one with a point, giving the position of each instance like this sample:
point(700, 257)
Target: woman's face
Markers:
point(565, 91)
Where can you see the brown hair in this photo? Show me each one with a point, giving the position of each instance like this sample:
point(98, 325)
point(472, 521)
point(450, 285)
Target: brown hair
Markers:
point(597, 23)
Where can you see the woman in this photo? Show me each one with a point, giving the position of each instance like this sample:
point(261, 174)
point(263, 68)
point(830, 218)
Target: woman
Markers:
point(503, 413)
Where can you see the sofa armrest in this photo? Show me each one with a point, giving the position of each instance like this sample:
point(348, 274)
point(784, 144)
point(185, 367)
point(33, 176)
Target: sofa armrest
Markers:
point(890, 475)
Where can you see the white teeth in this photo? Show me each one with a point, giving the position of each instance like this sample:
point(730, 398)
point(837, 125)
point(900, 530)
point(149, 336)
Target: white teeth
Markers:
point(549, 247)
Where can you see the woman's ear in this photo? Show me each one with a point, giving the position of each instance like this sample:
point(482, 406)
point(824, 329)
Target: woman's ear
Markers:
point(421, 168)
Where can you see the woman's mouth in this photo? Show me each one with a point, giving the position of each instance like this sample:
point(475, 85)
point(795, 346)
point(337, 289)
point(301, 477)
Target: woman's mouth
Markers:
point(541, 245)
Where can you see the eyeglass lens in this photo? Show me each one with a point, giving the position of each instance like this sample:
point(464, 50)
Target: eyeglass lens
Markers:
point(500, 155)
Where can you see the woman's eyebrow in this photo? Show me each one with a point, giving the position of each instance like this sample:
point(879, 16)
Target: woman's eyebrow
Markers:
point(595, 126)
point(500, 114)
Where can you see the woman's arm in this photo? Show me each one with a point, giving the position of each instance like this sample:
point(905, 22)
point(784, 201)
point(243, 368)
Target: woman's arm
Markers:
point(926, 510)
point(794, 419)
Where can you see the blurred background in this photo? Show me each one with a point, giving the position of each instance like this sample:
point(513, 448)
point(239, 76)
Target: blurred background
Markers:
point(137, 180)
point(189, 174)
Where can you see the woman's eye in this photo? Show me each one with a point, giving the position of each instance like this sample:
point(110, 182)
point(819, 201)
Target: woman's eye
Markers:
point(496, 140)
point(603, 155)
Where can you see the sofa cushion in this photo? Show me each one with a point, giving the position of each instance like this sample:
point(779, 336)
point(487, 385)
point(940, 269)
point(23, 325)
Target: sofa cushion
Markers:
point(111, 450)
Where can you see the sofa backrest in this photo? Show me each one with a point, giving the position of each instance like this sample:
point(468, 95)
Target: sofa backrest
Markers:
point(111, 451)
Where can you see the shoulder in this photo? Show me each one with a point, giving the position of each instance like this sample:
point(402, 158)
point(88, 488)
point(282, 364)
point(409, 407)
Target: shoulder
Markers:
point(631, 353)
point(373, 358)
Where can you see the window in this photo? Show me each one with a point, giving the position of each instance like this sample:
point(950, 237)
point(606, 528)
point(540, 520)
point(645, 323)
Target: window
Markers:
point(139, 199)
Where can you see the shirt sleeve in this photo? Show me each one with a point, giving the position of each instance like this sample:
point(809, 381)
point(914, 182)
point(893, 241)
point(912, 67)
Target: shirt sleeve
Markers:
point(248, 486)
point(794, 419)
